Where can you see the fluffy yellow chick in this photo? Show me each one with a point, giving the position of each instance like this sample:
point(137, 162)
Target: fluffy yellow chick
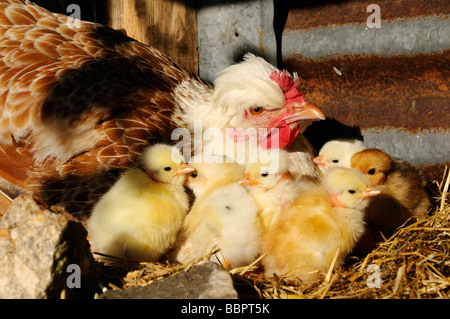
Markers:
point(271, 184)
point(140, 216)
point(337, 153)
point(319, 229)
point(223, 216)
point(403, 195)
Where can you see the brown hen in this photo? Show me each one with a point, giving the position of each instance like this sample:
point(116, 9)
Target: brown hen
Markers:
point(79, 104)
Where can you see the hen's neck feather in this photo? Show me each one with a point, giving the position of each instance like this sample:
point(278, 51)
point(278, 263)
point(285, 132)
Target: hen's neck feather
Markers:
point(194, 101)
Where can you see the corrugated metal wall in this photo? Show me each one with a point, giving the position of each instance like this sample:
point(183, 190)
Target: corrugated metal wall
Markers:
point(389, 77)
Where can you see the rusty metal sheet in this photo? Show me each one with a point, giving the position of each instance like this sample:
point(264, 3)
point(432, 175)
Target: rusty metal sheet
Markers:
point(399, 104)
point(410, 92)
point(314, 14)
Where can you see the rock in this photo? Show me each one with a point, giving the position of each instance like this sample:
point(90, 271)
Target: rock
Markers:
point(44, 253)
point(204, 281)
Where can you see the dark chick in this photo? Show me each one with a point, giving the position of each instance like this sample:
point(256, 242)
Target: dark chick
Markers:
point(403, 196)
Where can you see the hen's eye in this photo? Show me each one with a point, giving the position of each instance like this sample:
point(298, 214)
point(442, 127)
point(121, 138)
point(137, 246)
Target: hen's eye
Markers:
point(265, 174)
point(194, 175)
point(371, 171)
point(167, 168)
point(335, 161)
point(256, 110)
point(351, 191)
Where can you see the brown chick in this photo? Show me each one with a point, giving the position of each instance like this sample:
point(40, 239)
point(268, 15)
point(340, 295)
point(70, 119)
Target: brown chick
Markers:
point(403, 196)
point(394, 177)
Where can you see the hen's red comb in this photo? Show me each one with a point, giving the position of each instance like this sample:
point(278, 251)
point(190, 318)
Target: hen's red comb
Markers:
point(288, 86)
point(283, 79)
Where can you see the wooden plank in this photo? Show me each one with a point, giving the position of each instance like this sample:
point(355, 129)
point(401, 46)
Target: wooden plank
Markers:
point(170, 26)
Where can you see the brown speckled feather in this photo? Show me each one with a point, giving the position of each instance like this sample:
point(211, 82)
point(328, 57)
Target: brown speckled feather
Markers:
point(84, 101)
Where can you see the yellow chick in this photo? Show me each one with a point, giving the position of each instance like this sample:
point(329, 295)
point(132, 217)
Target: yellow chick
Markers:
point(319, 229)
point(403, 195)
point(350, 193)
point(337, 153)
point(223, 216)
point(270, 182)
point(140, 216)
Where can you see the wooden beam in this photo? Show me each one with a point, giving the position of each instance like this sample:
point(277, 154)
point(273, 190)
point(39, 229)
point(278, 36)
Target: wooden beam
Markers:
point(170, 26)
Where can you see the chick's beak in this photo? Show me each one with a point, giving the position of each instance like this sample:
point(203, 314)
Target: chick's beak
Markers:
point(184, 169)
point(247, 180)
point(318, 160)
point(369, 192)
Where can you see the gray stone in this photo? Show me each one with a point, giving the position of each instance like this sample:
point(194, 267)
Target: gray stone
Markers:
point(204, 281)
point(44, 253)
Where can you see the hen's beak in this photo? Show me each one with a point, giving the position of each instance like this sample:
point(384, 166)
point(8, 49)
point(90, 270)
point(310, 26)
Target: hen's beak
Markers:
point(247, 180)
point(303, 111)
point(369, 192)
point(184, 169)
point(318, 160)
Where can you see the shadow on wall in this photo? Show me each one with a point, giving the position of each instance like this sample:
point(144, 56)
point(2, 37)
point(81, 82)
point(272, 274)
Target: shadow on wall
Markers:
point(320, 132)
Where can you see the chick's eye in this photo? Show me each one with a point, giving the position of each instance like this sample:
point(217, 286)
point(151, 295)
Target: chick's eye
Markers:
point(265, 174)
point(256, 110)
point(194, 175)
point(371, 171)
point(351, 191)
point(167, 168)
point(335, 161)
